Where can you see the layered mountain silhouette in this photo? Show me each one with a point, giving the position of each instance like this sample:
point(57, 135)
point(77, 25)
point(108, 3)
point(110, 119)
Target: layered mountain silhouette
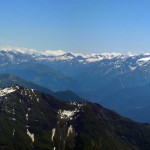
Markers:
point(118, 81)
point(10, 80)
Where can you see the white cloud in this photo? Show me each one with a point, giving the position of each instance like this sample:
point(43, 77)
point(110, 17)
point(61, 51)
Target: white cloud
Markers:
point(53, 52)
point(19, 49)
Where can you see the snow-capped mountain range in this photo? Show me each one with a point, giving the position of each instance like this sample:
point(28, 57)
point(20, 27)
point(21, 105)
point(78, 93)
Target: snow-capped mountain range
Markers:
point(21, 55)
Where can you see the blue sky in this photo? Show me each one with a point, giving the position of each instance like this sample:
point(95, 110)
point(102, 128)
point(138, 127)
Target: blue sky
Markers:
point(85, 26)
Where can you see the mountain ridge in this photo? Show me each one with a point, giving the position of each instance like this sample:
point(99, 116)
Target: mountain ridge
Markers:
point(10, 80)
point(42, 122)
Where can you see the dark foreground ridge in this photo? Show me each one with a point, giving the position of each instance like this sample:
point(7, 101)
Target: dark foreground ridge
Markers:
point(33, 120)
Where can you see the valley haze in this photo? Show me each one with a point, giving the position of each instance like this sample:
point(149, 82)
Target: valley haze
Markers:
point(118, 81)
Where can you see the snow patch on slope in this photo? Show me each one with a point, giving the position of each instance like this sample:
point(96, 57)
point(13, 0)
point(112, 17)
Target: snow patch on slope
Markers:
point(30, 135)
point(67, 114)
point(70, 130)
point(53, 133)
point(144, 59)
point(6, 91)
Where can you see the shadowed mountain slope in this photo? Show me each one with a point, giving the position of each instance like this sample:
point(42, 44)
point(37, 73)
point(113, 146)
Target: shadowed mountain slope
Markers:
point(32, 120)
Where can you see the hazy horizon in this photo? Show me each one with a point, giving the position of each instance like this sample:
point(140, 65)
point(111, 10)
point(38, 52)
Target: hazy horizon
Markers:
point(61, 51)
